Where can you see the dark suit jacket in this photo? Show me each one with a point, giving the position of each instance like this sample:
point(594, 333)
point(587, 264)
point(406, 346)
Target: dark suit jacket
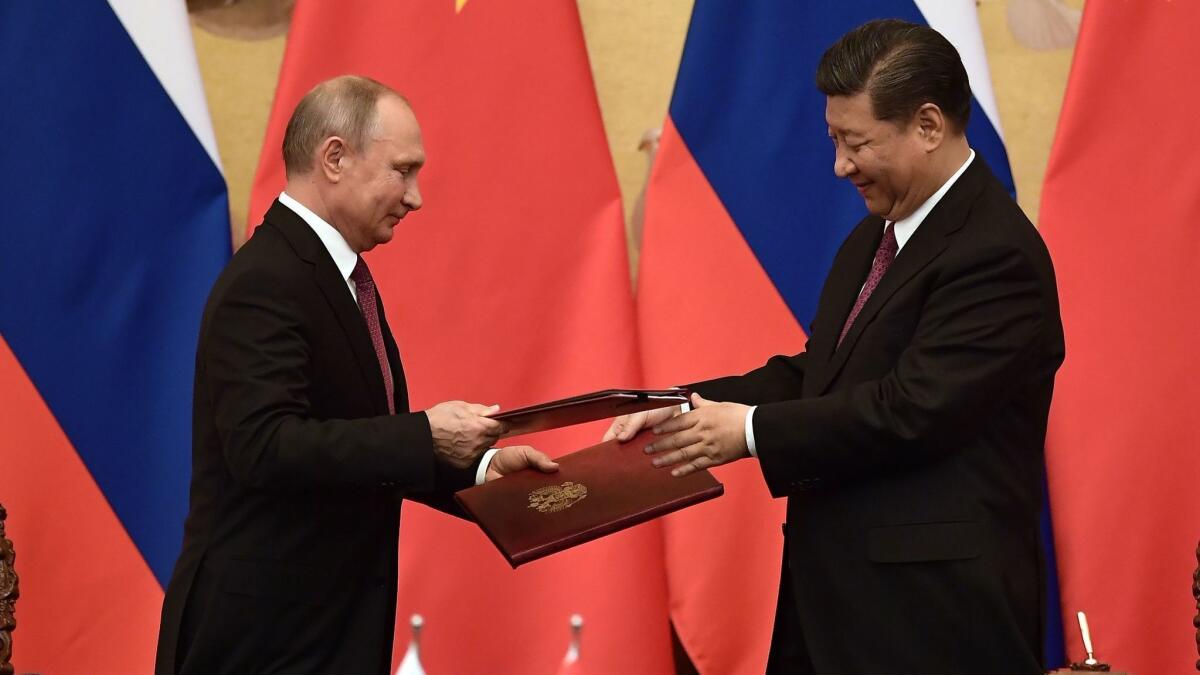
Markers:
point(912, 455)
point(289, 553)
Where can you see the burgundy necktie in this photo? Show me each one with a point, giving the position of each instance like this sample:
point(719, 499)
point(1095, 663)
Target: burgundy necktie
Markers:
point(365, 287)
point(884, 255)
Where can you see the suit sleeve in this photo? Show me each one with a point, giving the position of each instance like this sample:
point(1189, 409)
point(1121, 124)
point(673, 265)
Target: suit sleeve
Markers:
point(255, 368)
point(779, 379)
point(982, 330)
point(447, 481)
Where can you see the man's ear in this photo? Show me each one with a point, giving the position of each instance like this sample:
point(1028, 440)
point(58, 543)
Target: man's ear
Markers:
point(931, 126)
point(331, 158)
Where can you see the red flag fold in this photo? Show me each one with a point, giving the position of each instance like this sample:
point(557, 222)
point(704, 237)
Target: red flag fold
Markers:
point(1121, 213)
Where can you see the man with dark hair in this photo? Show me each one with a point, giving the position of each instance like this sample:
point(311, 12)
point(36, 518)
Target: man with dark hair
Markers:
point(303, 445)
point(901, 66)
point(908, 436)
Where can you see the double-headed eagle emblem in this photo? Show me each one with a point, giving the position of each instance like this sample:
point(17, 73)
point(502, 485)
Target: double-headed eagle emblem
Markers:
point(554, 498)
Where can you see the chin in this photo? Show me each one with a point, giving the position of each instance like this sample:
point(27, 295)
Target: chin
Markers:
point(876, 210)
point(382, 238)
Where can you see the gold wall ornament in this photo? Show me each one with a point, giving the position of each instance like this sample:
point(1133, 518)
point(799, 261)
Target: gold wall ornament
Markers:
point(242, 19)
point(1196, 594)
point(1044, 24)
point(555, 498)
point(8, 597)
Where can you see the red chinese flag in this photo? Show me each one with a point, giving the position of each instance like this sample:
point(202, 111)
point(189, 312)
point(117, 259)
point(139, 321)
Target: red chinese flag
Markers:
point(510, 286)
point(1121, 213)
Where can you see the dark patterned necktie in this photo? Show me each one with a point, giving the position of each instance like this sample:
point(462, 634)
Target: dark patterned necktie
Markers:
point(365, 288)
point(884, 255)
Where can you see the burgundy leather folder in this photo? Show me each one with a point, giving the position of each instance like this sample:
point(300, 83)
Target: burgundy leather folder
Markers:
point(596, 491)
point(597, 405)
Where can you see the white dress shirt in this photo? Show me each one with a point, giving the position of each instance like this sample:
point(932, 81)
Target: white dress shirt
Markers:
point(345, 259)
point(905, 227)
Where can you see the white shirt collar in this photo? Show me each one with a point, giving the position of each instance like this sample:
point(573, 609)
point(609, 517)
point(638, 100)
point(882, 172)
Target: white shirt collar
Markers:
point(343, 256)
point(905, 227)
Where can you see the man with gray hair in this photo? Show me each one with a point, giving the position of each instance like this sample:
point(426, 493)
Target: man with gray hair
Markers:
point(303, 445)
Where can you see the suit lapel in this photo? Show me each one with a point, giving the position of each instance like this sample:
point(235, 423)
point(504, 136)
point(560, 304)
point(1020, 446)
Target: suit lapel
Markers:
point(846, 278)
point(327, 278)
point(926, 244)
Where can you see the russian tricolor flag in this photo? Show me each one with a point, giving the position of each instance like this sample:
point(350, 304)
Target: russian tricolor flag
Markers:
point(115, 224)
point(743, 218)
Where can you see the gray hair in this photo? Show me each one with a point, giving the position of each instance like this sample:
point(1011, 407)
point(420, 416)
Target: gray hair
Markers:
point(343, 106)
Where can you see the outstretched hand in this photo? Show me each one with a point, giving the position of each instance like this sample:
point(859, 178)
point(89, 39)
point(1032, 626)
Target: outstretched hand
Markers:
point(626, 427)
point(711, 434)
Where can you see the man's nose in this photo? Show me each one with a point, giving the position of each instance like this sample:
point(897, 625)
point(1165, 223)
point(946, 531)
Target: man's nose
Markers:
point(842, 166)
point(412, 196)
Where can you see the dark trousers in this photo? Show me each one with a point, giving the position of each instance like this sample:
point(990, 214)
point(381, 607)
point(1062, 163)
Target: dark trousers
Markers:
point(789, 654)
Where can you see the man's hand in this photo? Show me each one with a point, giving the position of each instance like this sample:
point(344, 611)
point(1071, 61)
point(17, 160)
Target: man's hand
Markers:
point(463, 431)
point(626, 427)
point(515, 458)
point(710, 435)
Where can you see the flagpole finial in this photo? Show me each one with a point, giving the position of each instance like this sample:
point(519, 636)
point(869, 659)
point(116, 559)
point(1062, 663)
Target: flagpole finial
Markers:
point(411, 663)
point(572, 655)
point(417, 622)
point(1090, 663)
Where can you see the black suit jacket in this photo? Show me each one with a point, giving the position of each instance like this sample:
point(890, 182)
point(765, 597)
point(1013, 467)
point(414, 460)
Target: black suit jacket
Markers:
point(289, 552)
point(912, 455)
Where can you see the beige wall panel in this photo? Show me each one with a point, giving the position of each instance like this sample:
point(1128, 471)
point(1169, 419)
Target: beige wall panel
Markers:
point(1029, 88)
point(239, 80)
point(634, 47)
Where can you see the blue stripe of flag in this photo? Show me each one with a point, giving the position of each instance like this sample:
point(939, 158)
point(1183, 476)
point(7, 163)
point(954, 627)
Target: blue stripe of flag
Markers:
point(116, 223)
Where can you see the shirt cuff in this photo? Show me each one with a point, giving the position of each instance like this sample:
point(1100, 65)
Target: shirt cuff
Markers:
point(750, 432)
point(481, 472)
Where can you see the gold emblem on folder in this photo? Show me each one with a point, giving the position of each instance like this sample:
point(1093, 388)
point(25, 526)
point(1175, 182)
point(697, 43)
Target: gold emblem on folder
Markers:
point(554, 498)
